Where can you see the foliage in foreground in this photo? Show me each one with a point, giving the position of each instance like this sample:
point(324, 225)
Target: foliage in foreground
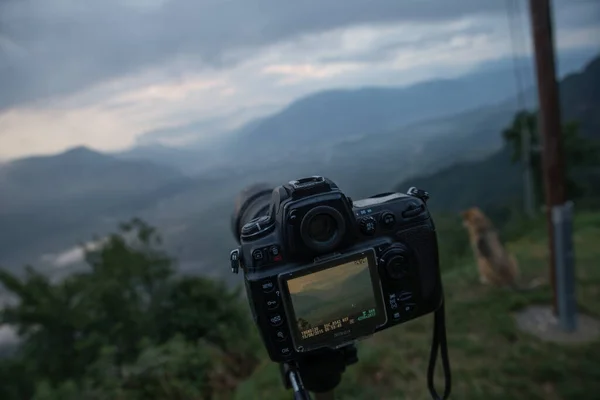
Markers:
point(129, 329)
point(126, 329)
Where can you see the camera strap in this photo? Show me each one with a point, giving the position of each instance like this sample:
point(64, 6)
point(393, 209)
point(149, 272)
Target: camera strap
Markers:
point(439, 343)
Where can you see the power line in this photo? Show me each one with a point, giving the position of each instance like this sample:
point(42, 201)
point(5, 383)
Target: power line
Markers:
point(524, 130)
point(512, 9)
point(525, 34)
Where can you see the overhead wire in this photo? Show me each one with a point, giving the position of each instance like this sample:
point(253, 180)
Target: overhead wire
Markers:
point(525, 33)
point(514, 27)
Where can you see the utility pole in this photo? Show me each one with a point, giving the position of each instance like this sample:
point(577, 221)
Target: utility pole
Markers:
point(559, 216)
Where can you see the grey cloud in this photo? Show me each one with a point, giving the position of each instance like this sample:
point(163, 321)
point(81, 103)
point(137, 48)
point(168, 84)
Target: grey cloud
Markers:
point(63, 46)
point(388, 51)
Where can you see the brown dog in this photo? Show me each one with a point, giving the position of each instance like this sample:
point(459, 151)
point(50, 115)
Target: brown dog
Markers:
point(496, 266)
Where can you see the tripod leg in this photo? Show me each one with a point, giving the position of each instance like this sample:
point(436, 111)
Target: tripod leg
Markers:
point(294, 380)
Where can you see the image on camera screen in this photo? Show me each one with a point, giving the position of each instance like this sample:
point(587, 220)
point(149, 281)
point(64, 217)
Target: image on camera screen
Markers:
point(332, 299)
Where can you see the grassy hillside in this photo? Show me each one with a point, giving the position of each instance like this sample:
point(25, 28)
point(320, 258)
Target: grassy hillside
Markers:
point(490, 358)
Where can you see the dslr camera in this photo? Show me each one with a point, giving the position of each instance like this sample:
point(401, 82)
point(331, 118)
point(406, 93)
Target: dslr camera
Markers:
point(323, 271)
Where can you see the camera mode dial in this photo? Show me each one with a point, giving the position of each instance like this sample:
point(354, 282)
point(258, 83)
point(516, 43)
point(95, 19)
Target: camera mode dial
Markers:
point(256, 228)
point(367, 225)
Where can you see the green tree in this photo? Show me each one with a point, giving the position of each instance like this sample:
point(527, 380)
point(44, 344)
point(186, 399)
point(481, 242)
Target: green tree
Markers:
point(47, 317)
point(96, 334)
point(127, 284)
point(579, 152)
point(16, 379)
point(227, 326)
point(174, 370)
point(70, 321)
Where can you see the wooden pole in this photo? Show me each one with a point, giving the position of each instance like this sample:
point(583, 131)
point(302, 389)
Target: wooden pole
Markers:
point(550, 119)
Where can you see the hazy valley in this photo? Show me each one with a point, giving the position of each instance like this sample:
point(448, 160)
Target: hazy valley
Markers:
point(367, 140)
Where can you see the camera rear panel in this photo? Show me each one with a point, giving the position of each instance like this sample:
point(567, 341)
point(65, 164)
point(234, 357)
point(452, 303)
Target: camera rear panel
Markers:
point(406, 297)
point(397, 227)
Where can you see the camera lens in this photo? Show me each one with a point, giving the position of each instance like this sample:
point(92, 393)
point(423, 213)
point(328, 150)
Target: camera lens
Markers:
point(251, 203)
point(322, 228)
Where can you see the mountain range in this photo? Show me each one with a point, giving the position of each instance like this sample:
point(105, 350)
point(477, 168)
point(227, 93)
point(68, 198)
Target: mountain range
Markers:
point(495, 181)
point(367, 140)
point(314, 126)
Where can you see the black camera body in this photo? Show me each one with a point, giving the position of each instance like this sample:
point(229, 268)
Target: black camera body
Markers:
point(322, 271)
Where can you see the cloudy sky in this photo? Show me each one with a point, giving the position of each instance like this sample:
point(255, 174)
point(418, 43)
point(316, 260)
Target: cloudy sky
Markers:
point(112, 73)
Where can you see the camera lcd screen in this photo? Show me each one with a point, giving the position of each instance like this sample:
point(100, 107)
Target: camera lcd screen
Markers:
point(336, 303)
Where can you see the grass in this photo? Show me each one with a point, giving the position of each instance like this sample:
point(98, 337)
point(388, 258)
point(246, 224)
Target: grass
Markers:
point(490, 358)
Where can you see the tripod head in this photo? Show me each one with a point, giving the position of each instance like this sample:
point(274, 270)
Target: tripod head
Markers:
point(320, 372)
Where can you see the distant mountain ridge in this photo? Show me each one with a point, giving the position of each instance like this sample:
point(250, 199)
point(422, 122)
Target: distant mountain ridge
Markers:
point(50, 203)
point(580, 98)
point(336, 115)
point(316, 124)
point(51, 196)
point(76, 173)
point(495, 180)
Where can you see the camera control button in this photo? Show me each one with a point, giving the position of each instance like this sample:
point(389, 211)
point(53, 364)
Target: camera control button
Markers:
point(292, 217)
point(397, 266)
point(413, 209)
point(286, 351)
point(275, 254)
point(408, 309)
point(404, 296)
point(388, 220)
point(267, 285)
point(276, 320)
point(234, 258)
point(421, 194)
point(367, 225)
point(405, 311)
point(272, 303)
point(257, 255)
point(393, 301)
point(280, 335)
